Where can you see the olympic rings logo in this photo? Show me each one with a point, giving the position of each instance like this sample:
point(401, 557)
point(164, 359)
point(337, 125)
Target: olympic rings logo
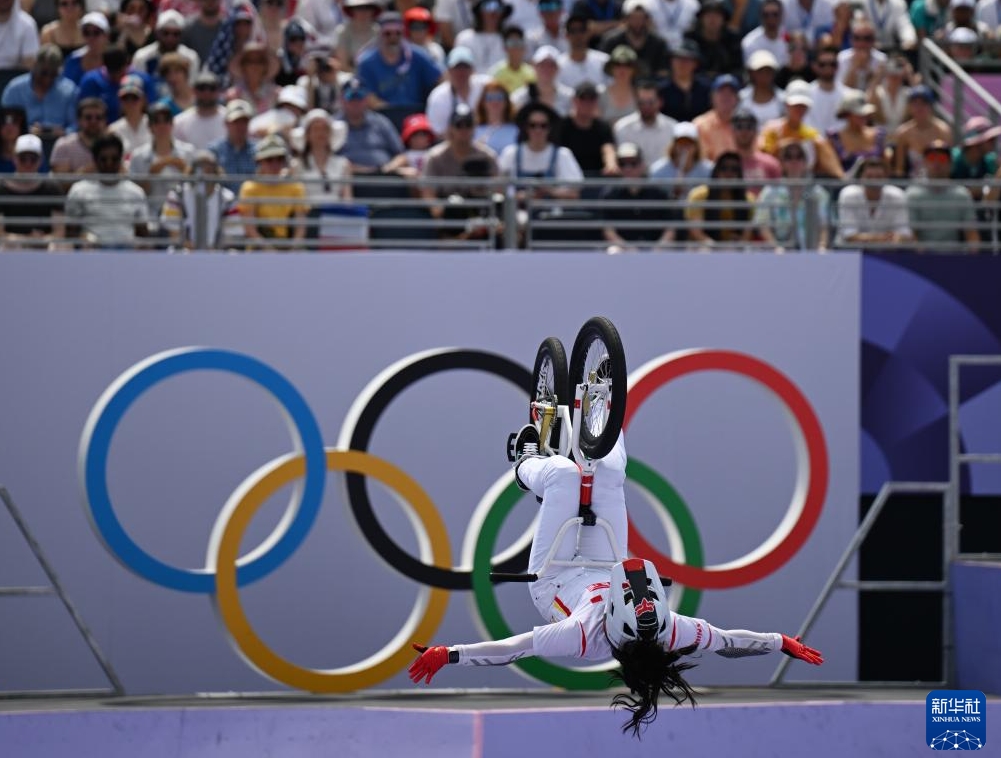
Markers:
point(226, 571)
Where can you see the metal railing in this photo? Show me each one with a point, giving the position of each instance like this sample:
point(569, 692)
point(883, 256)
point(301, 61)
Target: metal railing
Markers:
point(466, 214)
point(959, 95)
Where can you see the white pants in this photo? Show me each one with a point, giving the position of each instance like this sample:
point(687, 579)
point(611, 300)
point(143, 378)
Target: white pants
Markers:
point(556, 480)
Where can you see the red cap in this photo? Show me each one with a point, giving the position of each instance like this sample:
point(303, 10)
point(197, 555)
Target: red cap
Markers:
point(418, 122)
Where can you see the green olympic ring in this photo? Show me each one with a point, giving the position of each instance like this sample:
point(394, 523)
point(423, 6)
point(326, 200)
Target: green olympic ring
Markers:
point(486, 600)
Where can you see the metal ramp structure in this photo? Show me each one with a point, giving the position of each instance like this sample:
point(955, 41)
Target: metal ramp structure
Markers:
point(951, 528)
point(56, 588)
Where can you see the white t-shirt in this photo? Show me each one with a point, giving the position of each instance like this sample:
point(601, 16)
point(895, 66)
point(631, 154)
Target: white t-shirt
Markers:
point(672, 19)
point(591, 69)
point(532, 163)
point(18, 39)
point(487, 48)
point(774, 108)
point(654, 140)
point(796, 18)
point(823, 116)
point(757, 40)
point(200, 131)
point(856, 215)
point(107, 213)
point(443, 99)
point(152, 51)
point(132, 139)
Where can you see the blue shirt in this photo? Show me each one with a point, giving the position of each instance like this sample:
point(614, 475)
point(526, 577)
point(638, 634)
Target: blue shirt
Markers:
point(73, 66)
point(374, 143)
point(57, 108)
point(408, 82)
point(96, 83)
point(235, 161)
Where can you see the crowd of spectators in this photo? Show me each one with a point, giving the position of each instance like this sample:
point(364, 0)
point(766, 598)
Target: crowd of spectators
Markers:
point(699, 122)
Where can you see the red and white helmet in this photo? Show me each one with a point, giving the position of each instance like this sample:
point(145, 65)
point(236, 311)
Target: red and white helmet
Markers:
point(636, 608)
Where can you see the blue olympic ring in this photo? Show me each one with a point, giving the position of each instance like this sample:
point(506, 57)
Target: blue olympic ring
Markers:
point(108, 412)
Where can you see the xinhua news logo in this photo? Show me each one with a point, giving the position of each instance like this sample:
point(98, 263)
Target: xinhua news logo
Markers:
point(956, 720)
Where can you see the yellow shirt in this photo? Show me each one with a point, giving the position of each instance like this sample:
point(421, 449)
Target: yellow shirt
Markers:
point(511, 79)
point(274, 203)
point(695, 213)
point(777, 131)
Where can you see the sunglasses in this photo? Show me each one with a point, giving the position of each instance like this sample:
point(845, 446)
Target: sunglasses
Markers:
point(744, 126)
point(938, 157)
point(771, 14)
point(92, 31)
point(515, 42)
point(864, 37)
point(92, 117)
point(28, 157)
point(728, 168)
point(108, 158)
point(494, 97)
point(206, 88)
point(794, 156)
point(827, 64)
point(68, 5)
point(629, 163)
point(647, 102)
point(128, 98)
point(354, 96)
point(463, 124)
point(418, 26)
point(170, 33)
point(161, 119)
point(537, 125)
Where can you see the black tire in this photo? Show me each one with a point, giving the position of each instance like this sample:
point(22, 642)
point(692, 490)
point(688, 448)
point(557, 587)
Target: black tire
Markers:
point(596, 339)
point(550, 383)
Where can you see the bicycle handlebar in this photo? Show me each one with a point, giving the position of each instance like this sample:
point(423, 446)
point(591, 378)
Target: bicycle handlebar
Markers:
point(499, 576)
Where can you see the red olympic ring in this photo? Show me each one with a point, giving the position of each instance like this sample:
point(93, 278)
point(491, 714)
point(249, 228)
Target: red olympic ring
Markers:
point(812, 479)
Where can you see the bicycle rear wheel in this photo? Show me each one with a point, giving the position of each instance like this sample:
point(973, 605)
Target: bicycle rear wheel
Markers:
point(599, 360)
point(550, 386)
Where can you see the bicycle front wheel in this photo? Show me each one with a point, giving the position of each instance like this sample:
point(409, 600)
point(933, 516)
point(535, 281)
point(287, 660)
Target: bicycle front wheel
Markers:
point(598, 360)
point(550, 385)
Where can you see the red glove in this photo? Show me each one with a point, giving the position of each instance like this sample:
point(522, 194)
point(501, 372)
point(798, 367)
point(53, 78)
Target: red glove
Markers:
point(426, 666)
point(796, 649)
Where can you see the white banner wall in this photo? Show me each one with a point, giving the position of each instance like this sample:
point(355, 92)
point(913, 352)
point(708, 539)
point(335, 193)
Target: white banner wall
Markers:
point(323, 328)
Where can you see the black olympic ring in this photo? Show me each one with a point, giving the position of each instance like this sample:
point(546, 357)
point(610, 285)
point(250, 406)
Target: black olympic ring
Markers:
point(357, 486)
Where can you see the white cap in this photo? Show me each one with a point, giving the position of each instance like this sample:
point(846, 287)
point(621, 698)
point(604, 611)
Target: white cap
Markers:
point(762, 59)
point(459, 56)
point(798, 93)
point(96, 19)
point(963, 35)
point(686, 130)
point(170, 19)
point(631, 5)
point(546, 52)
point(293, 94)
point(28, 143)
point(963, 3)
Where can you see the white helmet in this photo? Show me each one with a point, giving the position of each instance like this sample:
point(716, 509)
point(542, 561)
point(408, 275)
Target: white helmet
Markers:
point(636, 608)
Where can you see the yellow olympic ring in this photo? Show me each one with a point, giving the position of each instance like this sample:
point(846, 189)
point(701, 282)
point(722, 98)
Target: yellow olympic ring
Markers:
point(422, 623)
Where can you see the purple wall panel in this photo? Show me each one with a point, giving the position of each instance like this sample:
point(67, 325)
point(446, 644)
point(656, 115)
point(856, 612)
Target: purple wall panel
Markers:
point(977, 597)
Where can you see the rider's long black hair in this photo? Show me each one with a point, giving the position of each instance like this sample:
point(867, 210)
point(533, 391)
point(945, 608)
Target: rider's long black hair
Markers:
point(648, 670)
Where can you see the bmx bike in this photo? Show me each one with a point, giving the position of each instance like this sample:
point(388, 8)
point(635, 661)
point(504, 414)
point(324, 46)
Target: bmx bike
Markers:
point(587, 430)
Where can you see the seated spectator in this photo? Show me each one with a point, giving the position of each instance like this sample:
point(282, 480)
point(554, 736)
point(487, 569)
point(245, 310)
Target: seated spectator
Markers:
point(326, 175)
point(928, 16)
point(13, 124)
point(180, 94)
point(839, 35)
point(395, 72)
point(373, 145)
point(320, 82)
point(799, 65)
point(235, 151)
point(162, 157)
point(484, 39)
point(514, 71)
point(200, 31)
point(939, 213)
point(687, 95)
point(962, 15)
point(618, 98)
point(461, 86)
point(419, 26)
point(204, 123)
point(133, 126)
point(673, 18)
point(602, 16)
point(273, 15)
point(859, 65)
point(495, 125)
point(452, 17)
point(873, 211)
point(809, 18)
point(109, 211)
point(636, 32)
point(762, 96)
point(31, 214)
point(963, 45)
point(890, 94)
point(683, 166)
point(104, 82)
point(826, 93)
point(759, 168)
point(716, 134)
point(169, 27)
point(324, 17)
point(289, 108)
point(454, 157)
point(240, 29)
point(719, 46)
point(719, 214)
point(186, 203)
point(65, 32)
point(546, 88)
point(769, 36)
point(292, 56)
point(134, 24)
point(787, 211)
point(73, 153)
point(630, 204)
point(550, 31)
point(589, 138)
point(538, 156)
point(254, 78)
point(976, 157)
point(96, 33)
point(48, 99)
point(648, 128)
point(914, 135)
point(418, 137)
point(356, 32)
point(581, 63)
point(19, 38)
point(272, 210)
point(794, 127)
point(894, 30)
point(857, 140)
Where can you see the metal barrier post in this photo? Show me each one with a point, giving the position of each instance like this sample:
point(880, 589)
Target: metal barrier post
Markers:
point(510, 217)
